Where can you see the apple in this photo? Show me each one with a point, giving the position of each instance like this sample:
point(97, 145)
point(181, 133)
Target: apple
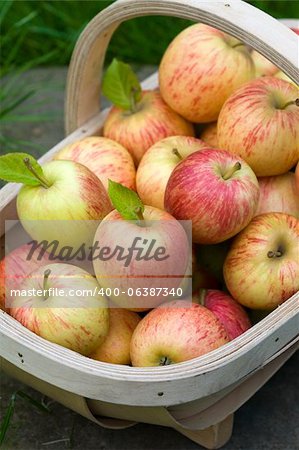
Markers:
point(175, 332)
point(200, 69)
point(283, 76)
point(279, 194)
point(64, 206)
point(152, 121)
point(297, 177)
point(53, 305)
point(116, 347)
point(158, 163)
point(230, 313)
point(263, 67)
point(209, 135)
point(129, 285)
point(216, 190)
point(14, 268)
point(260, 122)
point(105, 158)
point(261, 269)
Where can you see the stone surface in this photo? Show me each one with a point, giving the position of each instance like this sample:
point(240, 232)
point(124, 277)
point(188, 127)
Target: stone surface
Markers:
point(268, 421)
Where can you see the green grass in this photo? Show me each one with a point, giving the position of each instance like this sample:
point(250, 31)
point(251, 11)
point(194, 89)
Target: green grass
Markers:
point(54, 26)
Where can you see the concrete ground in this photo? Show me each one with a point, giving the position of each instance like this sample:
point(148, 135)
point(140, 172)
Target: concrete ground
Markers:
point(268, 421)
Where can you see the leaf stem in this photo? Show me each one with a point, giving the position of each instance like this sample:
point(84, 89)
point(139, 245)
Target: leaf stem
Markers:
point(141, 221)
point(44, 183)
point(133, 104)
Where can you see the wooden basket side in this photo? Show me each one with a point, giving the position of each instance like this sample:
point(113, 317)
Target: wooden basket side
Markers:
point(243, 21)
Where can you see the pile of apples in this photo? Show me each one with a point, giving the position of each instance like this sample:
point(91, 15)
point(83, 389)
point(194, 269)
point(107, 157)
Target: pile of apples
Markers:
point(216, 144)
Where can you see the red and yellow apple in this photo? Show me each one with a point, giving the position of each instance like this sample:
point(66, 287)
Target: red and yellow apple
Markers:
point(261, 270)
point(216, 190)
point(209, 135)
point(136, 256)
point(105, 158)
point(279, 194)
point(263, 67)
point(152, 121)
point(116, 347)
point(56, 308)
point(176, 332)
point(65, 207)
point(14, 269)
point(157, 165)
point(230, 313)
point(260, 123)
point(200, 69)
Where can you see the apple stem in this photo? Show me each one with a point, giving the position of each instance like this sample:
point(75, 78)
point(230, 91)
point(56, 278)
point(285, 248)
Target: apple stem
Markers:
point(177, 153)
point(239, 44)
point(276, 254)
point(292, 102)
point(165, 361)
point(44, 183)
point(231, 170)
point(45, 283)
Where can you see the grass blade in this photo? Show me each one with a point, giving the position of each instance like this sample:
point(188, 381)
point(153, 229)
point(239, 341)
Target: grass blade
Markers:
point(7, 418)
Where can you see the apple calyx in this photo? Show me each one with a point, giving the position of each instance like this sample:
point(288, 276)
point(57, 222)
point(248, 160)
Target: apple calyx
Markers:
point(275, 254)
point(45, 284)
point(292, 102)
point(165, 361)
point(177, 153)
point(229, 173)
point(43, 182)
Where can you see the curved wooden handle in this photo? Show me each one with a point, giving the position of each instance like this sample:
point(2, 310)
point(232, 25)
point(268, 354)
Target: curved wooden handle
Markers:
point(243, 21)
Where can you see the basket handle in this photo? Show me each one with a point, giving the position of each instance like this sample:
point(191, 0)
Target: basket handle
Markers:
point(243, 21)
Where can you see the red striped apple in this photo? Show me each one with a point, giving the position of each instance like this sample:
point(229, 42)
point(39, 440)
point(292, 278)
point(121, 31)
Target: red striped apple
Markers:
point(73, 320)
point(283, 76)
point(152, 121)
point(200, 69)
point(279, 194)
point(230, 313)
point(209, 135)
point(64, 206)
point(263, 67)
point(176, 332)
point(297, 177)
point(216, 190)
point(158, 163)
point(14, 268)
point(116, 347)
point(261, 270)
point(260, 123)
point(105, 158)
point(130, 284)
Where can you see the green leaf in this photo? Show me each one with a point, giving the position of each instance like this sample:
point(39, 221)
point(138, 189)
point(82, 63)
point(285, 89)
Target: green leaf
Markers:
point(13, 169)
point(125, 201)
point(121, 86)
